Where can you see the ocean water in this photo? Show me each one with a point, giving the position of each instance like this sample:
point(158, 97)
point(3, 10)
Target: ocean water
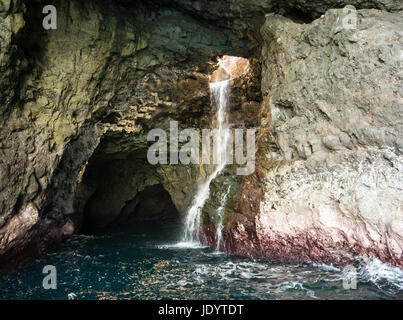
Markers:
point(146, 262)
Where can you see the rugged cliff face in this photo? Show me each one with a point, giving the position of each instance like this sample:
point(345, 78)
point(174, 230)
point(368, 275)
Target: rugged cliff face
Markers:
point(335, 101)
point(329, 183)
point(76, 105)
point(78, 102)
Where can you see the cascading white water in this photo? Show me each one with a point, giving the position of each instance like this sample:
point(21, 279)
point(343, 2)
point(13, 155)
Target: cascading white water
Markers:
point(219, 95)
point(220, 212)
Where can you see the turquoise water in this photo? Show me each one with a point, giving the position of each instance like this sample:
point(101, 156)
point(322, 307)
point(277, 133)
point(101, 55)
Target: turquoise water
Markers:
point(141, 263)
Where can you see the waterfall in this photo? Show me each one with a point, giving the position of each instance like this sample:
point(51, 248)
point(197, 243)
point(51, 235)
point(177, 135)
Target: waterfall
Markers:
point(219, 96)
point(220, 212)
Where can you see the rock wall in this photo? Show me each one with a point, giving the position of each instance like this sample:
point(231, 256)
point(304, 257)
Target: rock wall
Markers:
point(329, 183)
point(76, 104)
point(85, 95)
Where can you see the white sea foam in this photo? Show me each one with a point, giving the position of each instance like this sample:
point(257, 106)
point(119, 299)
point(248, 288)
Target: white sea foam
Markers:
point(325, 267)
point(381, 275)
point(182, 245)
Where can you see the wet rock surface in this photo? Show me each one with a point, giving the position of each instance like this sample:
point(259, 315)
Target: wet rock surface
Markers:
point(330, 153)
point(84, 96)
point(76, 105)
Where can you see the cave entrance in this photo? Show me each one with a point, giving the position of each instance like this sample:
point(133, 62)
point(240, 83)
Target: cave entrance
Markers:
point(152, 204)
point(119, 186)
point(121, 189)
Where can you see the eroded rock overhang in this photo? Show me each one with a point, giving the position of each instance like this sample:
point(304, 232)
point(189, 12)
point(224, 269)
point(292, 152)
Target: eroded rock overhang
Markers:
point(91, 90)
